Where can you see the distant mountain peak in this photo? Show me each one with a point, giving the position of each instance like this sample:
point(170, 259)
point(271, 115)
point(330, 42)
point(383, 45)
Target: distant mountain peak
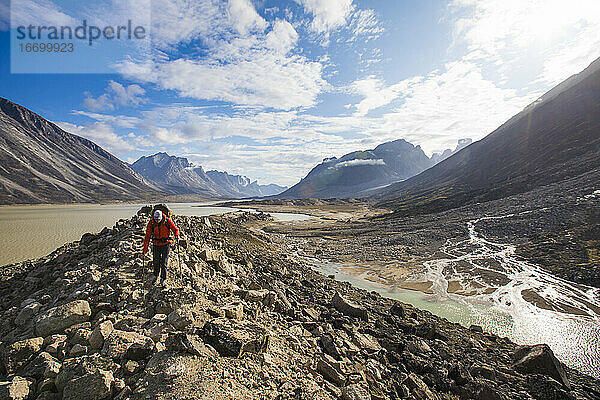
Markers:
point(358, 172)
point(179, 175)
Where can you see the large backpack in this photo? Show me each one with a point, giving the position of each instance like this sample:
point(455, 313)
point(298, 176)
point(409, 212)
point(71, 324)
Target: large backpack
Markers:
point(166, 213)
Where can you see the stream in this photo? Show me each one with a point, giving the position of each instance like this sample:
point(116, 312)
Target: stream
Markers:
point(484, 283)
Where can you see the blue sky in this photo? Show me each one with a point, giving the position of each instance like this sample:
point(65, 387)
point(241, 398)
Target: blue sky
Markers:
point(269, 88)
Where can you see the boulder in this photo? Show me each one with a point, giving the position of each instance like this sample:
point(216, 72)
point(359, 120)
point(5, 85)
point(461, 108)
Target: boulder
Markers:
point(330, 345)
point(81, 336)
point(540, 359)
point(459, 373)
point(347, 307)
point(56, 345)
point(46, 385)
point(330, 373)
point(16, 389)
point(77, 350)
point(79, 332)
point(139, 351)
point(543, 387)
point(225, 267)
point(397, 310)
point(59, 318)
point(43, 366)
point(356, 392)
point(426, 330)
point(234, 311)
point(418, 347)
point(186, 343)
point(131, 367)
point(418, 388)
point(256, 296)
point(17, 354)
point(27, 313)
point(210, 255)
point(488, 390)
point(365, 341)
point(117, 343)
point(180, 319)
point(94, 386)
point(234, 341)
point(100, 334)
point(77, 367)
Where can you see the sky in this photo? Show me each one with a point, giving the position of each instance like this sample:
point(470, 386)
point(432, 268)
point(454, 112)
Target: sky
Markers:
point(268, 88)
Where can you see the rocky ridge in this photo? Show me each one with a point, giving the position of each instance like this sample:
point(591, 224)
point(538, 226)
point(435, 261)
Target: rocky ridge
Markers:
point(240, 318)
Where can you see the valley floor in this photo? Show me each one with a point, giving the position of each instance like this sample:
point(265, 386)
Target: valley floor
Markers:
point(242, 317)
point(556, 227)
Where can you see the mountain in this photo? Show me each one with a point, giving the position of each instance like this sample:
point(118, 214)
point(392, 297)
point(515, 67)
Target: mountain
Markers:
point(553, 139)
point(439, 157)
point(177, 175)
point(41, 163)
point(241, 186)
point(357, 173)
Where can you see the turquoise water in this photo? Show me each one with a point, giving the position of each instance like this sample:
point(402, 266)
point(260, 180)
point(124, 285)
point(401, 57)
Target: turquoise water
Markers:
point(574, 339)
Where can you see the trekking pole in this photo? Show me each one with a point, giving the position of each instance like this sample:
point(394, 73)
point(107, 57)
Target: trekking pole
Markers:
point(143, 275)
point(179, 261)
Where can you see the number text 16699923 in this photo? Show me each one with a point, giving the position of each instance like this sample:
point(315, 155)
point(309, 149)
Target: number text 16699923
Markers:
point(46, 47)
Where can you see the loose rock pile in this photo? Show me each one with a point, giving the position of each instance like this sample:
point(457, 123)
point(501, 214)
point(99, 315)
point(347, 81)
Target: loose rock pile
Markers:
point(243, 319)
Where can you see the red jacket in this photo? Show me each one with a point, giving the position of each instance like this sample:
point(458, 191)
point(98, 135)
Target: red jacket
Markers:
point(160, 232)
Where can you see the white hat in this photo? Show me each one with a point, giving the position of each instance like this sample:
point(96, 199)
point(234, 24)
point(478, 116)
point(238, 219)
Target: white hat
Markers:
point(157, 215)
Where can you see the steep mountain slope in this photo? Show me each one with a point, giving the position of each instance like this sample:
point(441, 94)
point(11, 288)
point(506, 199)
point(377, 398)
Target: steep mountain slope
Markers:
point(357, 173)
point(41, 163)
point(555, 138)
point(177, 175)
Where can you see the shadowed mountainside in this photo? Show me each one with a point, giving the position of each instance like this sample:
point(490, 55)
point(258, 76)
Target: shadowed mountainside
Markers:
point(41, 163)
point(553, 139)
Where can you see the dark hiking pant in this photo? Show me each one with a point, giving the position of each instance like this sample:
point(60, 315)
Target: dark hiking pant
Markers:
point(160, 258)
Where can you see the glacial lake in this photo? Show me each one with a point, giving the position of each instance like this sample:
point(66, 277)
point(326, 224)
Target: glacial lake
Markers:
point(35, 231)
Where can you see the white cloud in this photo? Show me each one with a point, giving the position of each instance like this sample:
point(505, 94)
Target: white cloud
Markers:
point(282, 38)
point(375, 93)
point(357, 162)
point(101, 134)
point(244, 18)
point(328, 15)
point(122, 121)
point(38, 12)
point(577, 53)
point(182, 21)
point(116, 95)
point(267, 81)
point(364, 25)
point(245, 60)
point(516, 35)
point(449, 104)
point(254, 70)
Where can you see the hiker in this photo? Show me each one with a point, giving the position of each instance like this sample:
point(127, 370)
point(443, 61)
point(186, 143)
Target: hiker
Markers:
point(159, 229)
